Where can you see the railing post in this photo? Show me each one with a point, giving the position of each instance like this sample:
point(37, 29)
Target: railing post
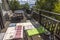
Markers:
point(40, 17)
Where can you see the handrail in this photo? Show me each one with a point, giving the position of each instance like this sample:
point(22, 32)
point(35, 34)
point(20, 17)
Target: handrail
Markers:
point(47, 21)
point(48, 12)
point(50, 18)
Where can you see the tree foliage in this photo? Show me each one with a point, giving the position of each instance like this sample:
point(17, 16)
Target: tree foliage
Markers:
point(26, 5)
point(57, 7)
point(46, 4)
point(14, 5)
point(40, 3)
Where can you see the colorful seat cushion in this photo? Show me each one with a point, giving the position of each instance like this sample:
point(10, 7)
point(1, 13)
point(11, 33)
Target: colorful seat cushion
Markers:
point(35, 31)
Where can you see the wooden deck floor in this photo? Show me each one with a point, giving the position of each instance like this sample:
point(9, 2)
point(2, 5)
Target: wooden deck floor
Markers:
point(26, 37)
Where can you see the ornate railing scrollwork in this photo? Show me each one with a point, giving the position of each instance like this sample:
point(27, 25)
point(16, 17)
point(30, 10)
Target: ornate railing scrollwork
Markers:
point(50, 23)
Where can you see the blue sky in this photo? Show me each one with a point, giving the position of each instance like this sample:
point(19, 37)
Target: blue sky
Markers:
point(29, 1)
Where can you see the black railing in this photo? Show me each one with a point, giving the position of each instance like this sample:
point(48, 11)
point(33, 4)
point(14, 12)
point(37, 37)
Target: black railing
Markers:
point(49, 21)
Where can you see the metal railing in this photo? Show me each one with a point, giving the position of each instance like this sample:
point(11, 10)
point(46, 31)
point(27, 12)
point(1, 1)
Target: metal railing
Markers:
point(52, 24)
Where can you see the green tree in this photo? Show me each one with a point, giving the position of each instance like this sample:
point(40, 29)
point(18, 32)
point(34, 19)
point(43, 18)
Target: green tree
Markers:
point(46, 4)
point(39, 3)
point(57, 7)
point(14, 5)
point(26, 5)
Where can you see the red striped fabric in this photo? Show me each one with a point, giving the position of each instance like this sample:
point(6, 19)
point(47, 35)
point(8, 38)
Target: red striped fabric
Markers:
point(18, 31)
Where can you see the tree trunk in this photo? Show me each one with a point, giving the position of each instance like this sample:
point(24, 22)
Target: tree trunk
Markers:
point(5, 5)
